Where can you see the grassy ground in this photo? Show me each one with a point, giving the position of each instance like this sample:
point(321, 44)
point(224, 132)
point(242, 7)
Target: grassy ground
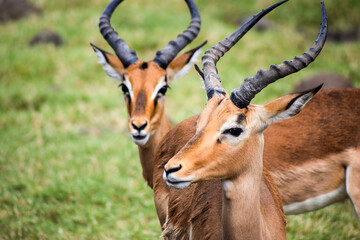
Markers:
point(68, 169)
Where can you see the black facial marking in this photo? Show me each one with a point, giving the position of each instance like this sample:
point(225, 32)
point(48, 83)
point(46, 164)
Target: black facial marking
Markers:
point(125, 91)
point(140, 101)
point(156, 101)
point(144, 65)
point(240, 118)
point(220, 101)
point(218, 141)
point(160, 93)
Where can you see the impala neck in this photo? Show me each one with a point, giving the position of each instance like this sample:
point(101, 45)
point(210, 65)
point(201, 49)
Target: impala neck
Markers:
point(147, 151)
point(241, 213)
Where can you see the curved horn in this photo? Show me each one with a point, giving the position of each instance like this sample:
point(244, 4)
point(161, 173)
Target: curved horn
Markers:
point(243, 95)
point(211, 79)
point(165, 56)
point(122, 50)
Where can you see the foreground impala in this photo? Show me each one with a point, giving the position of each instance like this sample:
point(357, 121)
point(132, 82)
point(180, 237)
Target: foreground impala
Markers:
point(292, 152)
point(144, 84)
point(228, 145)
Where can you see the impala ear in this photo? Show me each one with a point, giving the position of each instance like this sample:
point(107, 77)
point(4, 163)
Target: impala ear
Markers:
point(111, 64)
point(288, 106)
point(182, 64)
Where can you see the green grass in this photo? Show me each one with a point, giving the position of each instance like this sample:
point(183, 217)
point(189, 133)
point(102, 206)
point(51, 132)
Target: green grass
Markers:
point(68, 169)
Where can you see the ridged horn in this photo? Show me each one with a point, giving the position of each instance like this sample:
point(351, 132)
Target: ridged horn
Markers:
point(243, 95)
point(122, 50)
point(211, 79)
point(165, 56)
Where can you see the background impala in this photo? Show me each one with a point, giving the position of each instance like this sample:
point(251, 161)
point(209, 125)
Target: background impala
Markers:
point(145, 83)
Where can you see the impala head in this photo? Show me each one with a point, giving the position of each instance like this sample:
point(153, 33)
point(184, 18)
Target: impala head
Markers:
point(144, 84)
point(228, 136)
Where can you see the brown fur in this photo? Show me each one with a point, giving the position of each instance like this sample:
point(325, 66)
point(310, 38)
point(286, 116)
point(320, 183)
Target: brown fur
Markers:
point(330, 118)
point(200, 215)
point(333, 117)
point(328, 125)
point(274, 191)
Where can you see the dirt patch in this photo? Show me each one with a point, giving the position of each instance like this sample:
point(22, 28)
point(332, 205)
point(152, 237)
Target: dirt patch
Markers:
point(46, 36)
point(12, 10)
point(341, 36)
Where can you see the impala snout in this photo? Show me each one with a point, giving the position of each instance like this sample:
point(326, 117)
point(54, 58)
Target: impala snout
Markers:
point(140, 131)
point(173, 176)
point(140, 126)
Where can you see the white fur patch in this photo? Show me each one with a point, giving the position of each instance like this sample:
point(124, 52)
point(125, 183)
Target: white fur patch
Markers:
point(227, 185)
point(347, 179)
point(127, 83)
point(157, 88)
point(142, 141)
point(108, 69)
point(233, 124)
point(229, 124)
point(188, 66)
point(294, 109)
point(317, 202)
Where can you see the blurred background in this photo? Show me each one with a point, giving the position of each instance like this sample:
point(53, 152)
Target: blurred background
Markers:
point(68, 168)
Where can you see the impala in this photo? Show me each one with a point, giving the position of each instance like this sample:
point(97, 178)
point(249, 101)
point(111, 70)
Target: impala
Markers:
point(302, 168)
point(228, 144)
point(144, 84)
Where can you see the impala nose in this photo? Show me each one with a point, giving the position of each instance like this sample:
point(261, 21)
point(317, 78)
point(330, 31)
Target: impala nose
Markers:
point(171, 170)
point(139, 126)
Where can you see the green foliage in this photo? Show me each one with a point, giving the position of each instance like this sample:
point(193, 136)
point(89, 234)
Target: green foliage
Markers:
point(68, 167)
point(305, 14)
point(341, 14)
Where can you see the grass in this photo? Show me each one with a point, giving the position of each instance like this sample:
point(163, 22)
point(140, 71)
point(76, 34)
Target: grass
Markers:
point(68, 167)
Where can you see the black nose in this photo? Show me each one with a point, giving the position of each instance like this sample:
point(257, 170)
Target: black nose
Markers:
point(139, 128)
point(174, 169)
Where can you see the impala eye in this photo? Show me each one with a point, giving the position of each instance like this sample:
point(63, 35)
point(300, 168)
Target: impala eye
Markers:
point(124, 88)
point(160, 93)
point(233, 131)
point(163, 90)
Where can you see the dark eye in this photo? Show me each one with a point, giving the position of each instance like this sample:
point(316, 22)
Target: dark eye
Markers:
point(124, 88)
point(163, 90)
point(233, 131)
